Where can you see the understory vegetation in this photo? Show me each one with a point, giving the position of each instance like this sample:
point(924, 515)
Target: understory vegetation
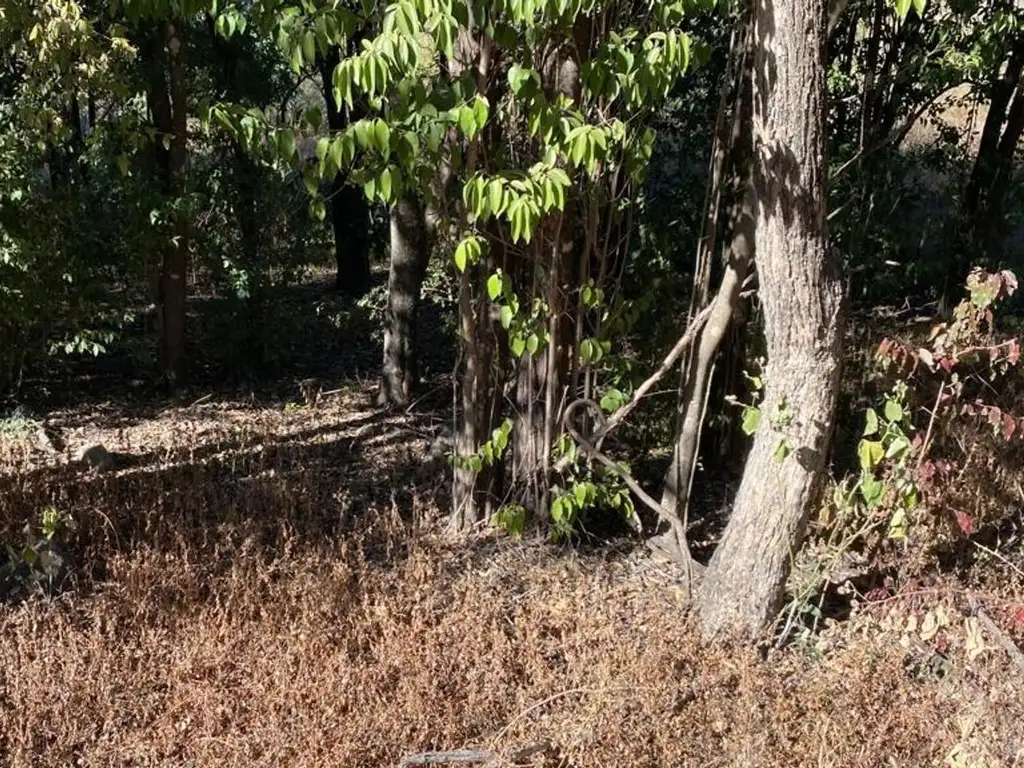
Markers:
point(511, 382)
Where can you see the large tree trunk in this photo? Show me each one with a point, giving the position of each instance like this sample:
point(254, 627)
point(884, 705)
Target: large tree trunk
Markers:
point(802, 296)
point(167, 98)
point(350, 213)
point(410, 253)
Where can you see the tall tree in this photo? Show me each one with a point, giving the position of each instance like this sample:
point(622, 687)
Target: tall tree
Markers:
point(802, 296)
point(167, 102)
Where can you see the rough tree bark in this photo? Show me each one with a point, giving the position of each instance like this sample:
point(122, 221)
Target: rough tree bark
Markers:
point(349, 209)
point(167, 99)
point(802, 296)
point(410, 252)
point(542, 379)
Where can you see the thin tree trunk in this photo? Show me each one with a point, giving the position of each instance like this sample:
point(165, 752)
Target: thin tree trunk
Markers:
point(736, 146)
point(478, 409)
point(167, 97)
point(350, 211)
point(409, 256)
point(802, 296)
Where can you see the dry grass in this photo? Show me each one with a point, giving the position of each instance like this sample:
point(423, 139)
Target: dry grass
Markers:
point(248, 592)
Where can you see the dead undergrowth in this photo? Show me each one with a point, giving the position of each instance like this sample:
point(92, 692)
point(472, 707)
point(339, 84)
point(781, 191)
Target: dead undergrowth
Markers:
point(271, 587)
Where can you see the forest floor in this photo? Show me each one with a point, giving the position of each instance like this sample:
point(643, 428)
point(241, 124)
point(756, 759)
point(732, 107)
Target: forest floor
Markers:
point(268, 585)
point(251, 581)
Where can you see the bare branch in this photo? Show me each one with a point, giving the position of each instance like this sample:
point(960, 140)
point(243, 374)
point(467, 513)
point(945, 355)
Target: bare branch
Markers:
point(685, 341)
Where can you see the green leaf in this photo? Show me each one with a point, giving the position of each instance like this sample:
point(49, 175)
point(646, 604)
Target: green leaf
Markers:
point(480, 112)
point(898, 525)
point(532, 343)
point(505, 315)
point(587, 350)
point(495, 195)
point(781, 451)
point(871, 423)
point(919, 6)
point(893, 411)
point(751, 420)
point(902, 8)
point(494, 286)
point(286, 143)
point(467, 252)
point(898, 448)
point(309, 47)
point(318, 209)
point(612, 400)
point(517, 345)
point(334, 154)
point(384, 184)
point(872, 490)
point(467, 122)
point(382, 137)
point(559, 509)
point(870, 453)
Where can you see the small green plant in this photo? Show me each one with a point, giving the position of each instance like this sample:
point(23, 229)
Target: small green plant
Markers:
point(17, 425)
point(885, 454)
point(587, 488)
point(488, 453)
point(36, 564)
point(780, 418)
point(511, 518)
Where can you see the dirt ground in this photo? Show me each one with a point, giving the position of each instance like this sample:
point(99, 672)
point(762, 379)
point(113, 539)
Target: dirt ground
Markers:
point(270, 585)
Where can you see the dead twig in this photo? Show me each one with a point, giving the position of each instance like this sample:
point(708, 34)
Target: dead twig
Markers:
point(452, 756)
point(685, 341)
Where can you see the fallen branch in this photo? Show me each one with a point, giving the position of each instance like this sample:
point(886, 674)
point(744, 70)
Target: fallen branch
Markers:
point(453, 756)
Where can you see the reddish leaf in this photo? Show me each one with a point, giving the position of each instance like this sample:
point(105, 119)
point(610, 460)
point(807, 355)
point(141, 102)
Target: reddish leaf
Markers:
point(965, 521)
point(1018, 619)
point(1013, 352)
point(885, 348)
point(1009, 426)
point(947, 363)
point(995, 416)
point(926, 473)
